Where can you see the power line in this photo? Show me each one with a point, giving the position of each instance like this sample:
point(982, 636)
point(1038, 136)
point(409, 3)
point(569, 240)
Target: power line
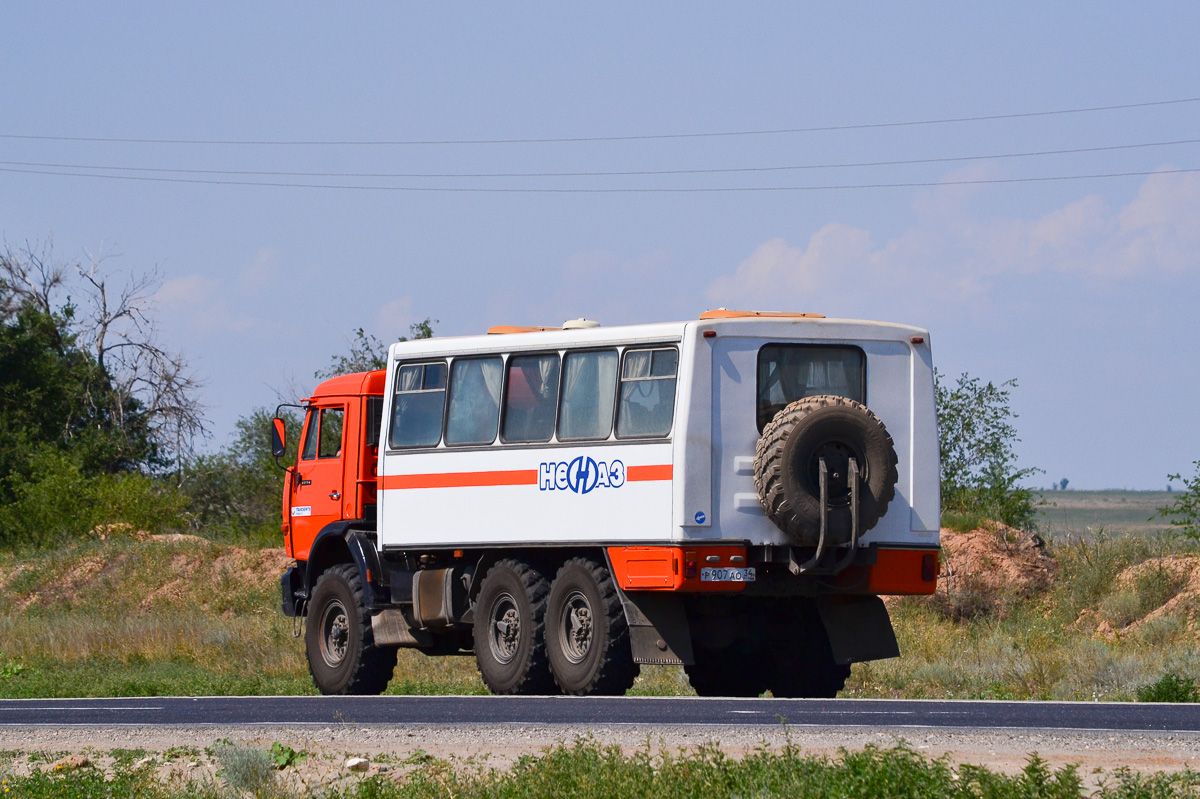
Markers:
point(697, 190)
point(579, 139)
point(629, 173)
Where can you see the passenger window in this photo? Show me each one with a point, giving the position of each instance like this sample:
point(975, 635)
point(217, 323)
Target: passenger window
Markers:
point(530, 397)
point(647, 393)
point(474, 401)
point(588, 395)
point(330, 443)
point(417, 405)
point(788, 372)
point(310, 436)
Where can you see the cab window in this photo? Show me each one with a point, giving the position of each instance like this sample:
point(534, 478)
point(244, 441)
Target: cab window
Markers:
point(647, 392)
point(330, 443)
point(788, 372)
point(310, 436)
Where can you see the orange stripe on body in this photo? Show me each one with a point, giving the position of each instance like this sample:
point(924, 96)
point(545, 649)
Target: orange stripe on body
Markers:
point(640, 473)
point(517, 477)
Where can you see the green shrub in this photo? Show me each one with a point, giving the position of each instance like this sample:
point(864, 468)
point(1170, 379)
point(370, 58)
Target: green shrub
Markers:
point(58, 502)
point(1184, 512)
point(976, 435)
point(1170, 688)
point(246, 768)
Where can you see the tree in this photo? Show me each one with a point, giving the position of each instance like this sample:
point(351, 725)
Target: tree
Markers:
point(136, 390)
point(1184, 510)
point(236, 492)
point(1063, 483)
point(980, 478)
point(367, 352)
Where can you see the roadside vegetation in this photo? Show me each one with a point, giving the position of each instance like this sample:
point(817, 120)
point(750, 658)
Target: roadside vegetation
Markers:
point(583, 769)
point(131, 565)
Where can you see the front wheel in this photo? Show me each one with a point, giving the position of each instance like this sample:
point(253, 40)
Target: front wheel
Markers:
point(587, 637)
point(342, 655)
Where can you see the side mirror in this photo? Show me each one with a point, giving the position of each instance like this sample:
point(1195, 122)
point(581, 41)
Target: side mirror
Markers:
point(278, 438)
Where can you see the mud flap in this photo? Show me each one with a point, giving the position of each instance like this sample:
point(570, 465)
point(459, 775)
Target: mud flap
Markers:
point(858, 627)
point(659, 634)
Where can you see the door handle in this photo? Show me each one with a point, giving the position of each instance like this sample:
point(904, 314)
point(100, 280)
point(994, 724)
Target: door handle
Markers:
point(334, 495)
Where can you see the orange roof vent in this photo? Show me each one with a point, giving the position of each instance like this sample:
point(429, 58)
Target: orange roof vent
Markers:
point(504, 330)
point(570, 324)
point(724, 313)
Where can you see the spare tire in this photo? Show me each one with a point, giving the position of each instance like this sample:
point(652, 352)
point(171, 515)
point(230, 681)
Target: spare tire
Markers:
point(787, 468)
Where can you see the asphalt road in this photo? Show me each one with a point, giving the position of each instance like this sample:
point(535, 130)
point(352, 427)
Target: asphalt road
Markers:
point(465, 710)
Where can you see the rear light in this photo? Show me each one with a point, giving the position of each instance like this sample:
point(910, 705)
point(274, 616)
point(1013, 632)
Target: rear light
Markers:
point(929, 568)
point(689, 566)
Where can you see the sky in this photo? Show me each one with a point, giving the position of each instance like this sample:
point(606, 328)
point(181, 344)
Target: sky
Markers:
point(1085, 290)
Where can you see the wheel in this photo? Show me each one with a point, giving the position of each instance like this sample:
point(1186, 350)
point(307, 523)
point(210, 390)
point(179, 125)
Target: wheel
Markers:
point(587, 637)
point(801, 661)
point(787, 468)
point(735, 671)
point(510, 630)
point(342, 655)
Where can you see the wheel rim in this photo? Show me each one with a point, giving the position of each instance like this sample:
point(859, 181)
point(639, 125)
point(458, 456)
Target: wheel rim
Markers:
point(837, 454)
point(504, 637)
point(335, 633)
point(575, 627)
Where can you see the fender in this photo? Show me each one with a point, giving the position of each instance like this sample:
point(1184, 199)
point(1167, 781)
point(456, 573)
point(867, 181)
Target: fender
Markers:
point(339, 542)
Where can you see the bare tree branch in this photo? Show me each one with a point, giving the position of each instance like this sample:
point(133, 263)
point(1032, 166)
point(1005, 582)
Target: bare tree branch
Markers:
point(118, 327)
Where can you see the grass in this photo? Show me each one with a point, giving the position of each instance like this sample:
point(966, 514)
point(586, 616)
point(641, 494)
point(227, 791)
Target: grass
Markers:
point(142, 618)
point(587, 770)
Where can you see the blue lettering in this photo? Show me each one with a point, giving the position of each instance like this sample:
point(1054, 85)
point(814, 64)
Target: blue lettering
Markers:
point(581, 475)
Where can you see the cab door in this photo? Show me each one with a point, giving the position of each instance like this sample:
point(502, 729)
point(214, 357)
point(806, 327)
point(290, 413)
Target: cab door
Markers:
point(317, 497)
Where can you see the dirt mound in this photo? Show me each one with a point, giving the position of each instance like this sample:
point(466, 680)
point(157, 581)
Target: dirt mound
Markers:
point(984, 571)
point(236, 568)
point(144, 574)
point(1158, 588)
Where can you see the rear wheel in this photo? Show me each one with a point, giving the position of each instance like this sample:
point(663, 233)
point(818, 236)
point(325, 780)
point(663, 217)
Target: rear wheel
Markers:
point(342, 655)
point(510, 629)
point(801, 663)
point(587, 637)
point(734, 671)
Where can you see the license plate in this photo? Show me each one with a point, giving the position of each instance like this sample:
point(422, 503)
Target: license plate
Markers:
point(745, 575)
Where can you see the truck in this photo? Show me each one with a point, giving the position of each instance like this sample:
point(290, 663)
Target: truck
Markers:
point(733, 494)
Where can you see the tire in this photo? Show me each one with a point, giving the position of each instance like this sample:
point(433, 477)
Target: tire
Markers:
point(587, 636)
point(510, 629)
point(786, 468)
point(801, 663)
point(342, 655)
point(735, 671)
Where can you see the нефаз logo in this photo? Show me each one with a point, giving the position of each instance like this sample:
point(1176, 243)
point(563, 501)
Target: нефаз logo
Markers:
point(580, 475)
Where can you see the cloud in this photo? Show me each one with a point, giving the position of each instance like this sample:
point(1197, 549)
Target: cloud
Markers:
point(188, 290)
point(394, 318)
point(777, 267)
point(949, 255)
point(263, 271)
